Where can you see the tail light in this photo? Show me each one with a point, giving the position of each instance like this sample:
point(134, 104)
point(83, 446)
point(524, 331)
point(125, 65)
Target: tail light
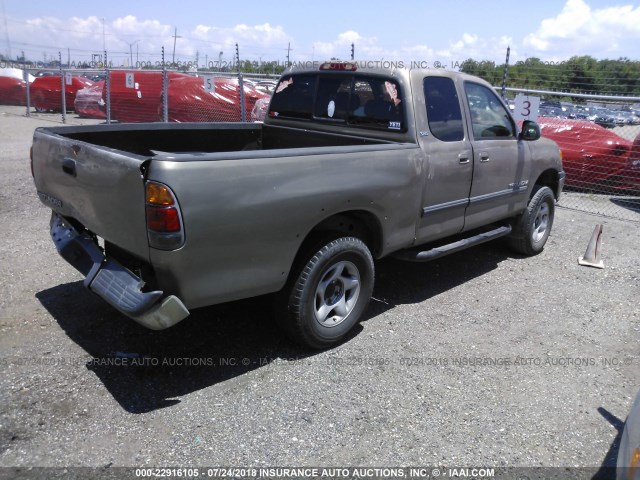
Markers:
point(165, 228)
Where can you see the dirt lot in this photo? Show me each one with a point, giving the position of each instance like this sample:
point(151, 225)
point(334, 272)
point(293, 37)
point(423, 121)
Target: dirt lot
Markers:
point(482, 359)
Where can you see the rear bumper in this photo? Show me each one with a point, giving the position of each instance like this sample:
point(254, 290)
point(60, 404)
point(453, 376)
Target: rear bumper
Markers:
point(114, 283)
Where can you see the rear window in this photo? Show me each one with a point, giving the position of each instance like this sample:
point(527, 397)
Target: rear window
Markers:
point(293, 97)
point(359, 101)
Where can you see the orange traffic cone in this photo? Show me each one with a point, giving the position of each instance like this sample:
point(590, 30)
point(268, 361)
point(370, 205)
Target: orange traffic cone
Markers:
point(592, 255)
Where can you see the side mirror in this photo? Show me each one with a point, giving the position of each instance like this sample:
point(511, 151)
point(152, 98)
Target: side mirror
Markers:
point(530, 130)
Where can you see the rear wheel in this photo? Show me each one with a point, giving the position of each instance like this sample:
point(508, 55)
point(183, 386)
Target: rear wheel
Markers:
point(532, 228)
point(328, 292)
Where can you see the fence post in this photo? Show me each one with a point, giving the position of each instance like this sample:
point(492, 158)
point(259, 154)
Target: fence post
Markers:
point(243, 112)
point(165, 88)
point(63, 84)
point(107, 86)
point(25, 75)
point(504, 76)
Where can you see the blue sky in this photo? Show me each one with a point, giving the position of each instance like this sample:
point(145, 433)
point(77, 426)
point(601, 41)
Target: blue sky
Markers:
point(425, 31)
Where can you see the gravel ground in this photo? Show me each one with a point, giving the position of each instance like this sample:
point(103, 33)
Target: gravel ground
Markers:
point(483, 358)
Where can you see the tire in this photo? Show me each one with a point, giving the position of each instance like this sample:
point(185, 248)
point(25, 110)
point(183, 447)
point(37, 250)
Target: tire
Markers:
point(327, 293)
point(532, 228)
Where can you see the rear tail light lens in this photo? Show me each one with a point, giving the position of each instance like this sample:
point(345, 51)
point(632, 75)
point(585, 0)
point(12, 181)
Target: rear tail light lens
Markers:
point(164, 221)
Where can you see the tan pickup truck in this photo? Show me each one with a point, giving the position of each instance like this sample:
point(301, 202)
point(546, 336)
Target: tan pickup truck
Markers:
point(350, 165)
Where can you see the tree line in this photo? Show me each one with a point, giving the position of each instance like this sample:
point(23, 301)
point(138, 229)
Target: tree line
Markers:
point(579, 74)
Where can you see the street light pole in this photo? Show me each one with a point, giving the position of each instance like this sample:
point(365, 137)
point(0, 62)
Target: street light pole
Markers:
point(131, 51)
point(175, 37)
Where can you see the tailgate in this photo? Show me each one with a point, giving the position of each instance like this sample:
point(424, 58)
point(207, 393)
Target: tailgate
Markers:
point(100, 187)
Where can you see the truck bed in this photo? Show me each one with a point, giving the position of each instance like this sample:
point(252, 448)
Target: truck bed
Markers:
point(151, 139)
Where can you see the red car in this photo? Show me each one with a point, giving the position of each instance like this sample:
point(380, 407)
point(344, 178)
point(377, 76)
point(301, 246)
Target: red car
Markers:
point(136, 96)
point(593, 157)
point(190, 102)
point(89, 102)
point(46, 92)
point(13, 91)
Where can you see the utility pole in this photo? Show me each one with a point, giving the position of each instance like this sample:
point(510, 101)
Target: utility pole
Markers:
point(6, 30)
point(131, 52)
point(104, 43)
point(352, 51)
point(175, 37)
point(288, 51)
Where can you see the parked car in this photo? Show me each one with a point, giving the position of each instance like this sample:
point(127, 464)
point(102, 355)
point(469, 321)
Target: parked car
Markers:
point(46, 92)
point(593, 157)
point(89, 102)
point(139, 100)
point(260, 109)
point(602, 116)
point(190, 102)
point(13, 91)
point(266, 86)
point(13, 87)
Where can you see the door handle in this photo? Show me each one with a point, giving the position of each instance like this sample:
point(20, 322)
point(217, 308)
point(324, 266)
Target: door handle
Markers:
point(463, 157)
point(484, 157)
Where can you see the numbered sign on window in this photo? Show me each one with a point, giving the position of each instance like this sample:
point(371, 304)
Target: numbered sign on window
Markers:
point(526, 107)
point(209, 83)
point(68, 78)
point(129, 80)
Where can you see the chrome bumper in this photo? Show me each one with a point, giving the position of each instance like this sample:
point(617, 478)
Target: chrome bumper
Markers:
point(114, 283)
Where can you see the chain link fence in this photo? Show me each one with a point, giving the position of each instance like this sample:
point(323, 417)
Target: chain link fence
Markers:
point(139, 95)
point(591, 109)
point(600, 142)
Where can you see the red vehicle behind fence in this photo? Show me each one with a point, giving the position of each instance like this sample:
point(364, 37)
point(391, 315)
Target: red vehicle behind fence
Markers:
point(46, 92)
point(89, 102)
point(13, 91)
point(190, 102)
point(593, 157)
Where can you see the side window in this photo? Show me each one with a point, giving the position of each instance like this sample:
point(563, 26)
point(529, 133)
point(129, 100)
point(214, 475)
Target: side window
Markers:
point(293, 97)
point(443, 109)
point(489, 117)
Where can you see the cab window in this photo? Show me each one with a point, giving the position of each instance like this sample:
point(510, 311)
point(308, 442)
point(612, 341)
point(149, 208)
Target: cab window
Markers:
point(443, 109)
point(293, 97)
point(489, 116)
point(355, 100)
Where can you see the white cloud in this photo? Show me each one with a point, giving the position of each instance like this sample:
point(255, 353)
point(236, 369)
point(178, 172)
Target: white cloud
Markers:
point(366, 48)
point(84, 37)
point(476, 47)
point(580, 30)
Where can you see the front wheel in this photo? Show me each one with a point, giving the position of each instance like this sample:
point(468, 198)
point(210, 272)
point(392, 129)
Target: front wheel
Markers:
point(532, 228)
point(328, 292)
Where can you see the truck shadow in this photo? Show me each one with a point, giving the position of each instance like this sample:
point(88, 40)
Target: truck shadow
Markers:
point(146, 370)
point(608, 467)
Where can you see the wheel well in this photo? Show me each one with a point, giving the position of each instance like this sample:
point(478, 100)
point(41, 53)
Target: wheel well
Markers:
point(549, 178)
point(358, 223)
